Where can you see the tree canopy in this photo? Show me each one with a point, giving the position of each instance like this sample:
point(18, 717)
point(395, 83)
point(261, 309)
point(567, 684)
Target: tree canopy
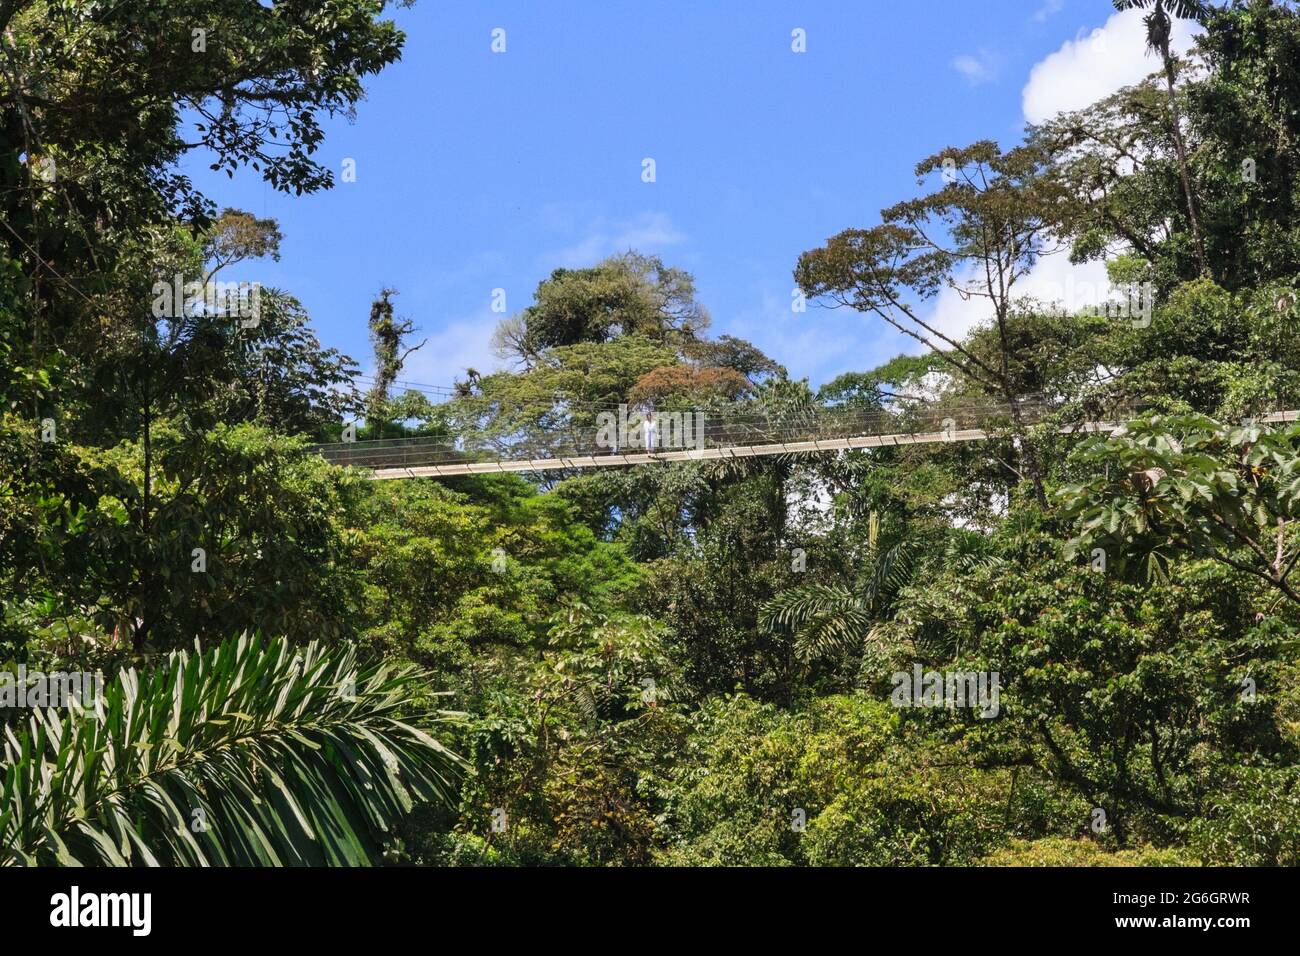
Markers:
point(1049, 647)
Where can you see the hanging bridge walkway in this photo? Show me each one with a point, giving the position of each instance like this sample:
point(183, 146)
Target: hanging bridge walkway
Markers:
point(711, 439)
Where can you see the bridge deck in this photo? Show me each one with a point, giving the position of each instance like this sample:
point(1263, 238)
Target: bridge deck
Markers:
point(614, 460)
point(691, 454)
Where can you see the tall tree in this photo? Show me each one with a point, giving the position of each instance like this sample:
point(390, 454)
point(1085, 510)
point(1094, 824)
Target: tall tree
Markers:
point(978, 235)
point(1159, 29)
point(236, 236)
point(628, 294)
point(388, 336)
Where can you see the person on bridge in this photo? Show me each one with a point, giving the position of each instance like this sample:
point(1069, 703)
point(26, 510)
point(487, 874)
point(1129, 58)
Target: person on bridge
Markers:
point(648, 430)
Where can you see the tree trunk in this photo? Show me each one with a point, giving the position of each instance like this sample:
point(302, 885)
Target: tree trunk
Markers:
point(1176, 122)
point(1029, 453)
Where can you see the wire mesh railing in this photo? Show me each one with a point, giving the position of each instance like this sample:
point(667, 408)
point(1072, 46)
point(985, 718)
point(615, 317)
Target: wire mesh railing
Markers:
point(588, 436)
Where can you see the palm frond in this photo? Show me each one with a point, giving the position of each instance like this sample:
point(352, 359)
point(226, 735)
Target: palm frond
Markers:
point(970, 551)
point(890, 572)
point(1182, 9)
point(845, 629)
point(825, 618)
point(793, 608)
point(245, 754)
point(829, 618)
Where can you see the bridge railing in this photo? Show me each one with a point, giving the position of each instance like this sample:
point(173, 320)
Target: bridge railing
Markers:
point(720, 430)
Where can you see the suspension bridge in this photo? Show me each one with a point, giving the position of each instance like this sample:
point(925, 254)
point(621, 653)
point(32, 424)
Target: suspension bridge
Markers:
point(717, 436)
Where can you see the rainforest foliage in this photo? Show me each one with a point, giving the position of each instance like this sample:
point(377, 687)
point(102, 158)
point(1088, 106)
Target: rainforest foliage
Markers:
point(685, 663)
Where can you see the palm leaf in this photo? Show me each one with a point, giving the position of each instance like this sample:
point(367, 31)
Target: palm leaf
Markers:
point(245, 754)
point(970, 551)
point(830, 618)
point(1182, 9)
point(889, 572)
point(794, 608)
point(825, 618)
point(845, 629)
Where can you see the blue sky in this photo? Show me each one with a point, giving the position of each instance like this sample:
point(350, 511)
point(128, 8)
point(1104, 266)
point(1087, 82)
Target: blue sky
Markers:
point(478, 170)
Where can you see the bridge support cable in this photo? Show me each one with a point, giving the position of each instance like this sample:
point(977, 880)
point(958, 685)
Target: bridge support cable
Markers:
point(380, 470)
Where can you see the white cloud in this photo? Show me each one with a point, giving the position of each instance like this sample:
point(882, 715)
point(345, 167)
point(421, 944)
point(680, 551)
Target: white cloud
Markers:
point(820, 343)
point(450, 350)
point(1047, 10)
point(954, 316)
point(1053, 281)
point(1085, 69)
point(976, 69)
point(647, 232)
point(1095, 64)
